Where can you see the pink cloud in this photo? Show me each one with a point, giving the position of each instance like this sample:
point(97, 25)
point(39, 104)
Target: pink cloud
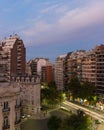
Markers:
point(65, 27)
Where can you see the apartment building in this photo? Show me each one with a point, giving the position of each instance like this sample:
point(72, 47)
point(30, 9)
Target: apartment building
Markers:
point(93, 69)
point(14, 52)
point(99, 52)
point(59, 69)
point(89, 67)
point(3, 66)
point(41, 67)
point(46, 74)
point(73, 65)
point(66, 72)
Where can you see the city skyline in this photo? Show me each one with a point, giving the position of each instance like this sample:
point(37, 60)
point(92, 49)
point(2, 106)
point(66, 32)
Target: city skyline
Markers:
point(52, 28)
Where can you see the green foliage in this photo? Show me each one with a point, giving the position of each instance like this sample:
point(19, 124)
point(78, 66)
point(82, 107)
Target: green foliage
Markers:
point(52, 85)
point(74, 87)
point(50, 95)
point(76, 122)
point(88, 92)
point(85, 90)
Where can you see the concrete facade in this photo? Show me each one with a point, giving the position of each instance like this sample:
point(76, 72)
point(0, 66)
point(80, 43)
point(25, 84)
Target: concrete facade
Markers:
point(41, 67)
point(9, 106)
point(89, 67)
point(19, 97)
point(13, 51)
point(99, 52)
point(29, 94)
point(59, 69)
point(19, 93)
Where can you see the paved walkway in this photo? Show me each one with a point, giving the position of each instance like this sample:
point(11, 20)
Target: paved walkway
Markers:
point(101, 127)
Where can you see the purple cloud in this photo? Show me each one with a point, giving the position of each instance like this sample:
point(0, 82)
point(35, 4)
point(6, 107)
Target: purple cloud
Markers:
point(66, 26)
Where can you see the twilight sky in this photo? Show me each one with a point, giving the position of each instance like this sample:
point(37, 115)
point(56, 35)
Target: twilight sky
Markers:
point(50, 28)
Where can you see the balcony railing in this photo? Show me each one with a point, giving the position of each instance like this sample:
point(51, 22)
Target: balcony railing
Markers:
point(17, 122)
point(6, 109)
point(17, 106)
point(6, 127)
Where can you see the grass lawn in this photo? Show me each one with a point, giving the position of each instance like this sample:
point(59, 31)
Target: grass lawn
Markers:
point(60, 113)
point(32, 124)
point(41, 124)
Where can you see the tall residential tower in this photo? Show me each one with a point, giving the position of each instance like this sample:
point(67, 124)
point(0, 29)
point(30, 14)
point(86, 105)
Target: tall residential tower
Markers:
point(14, 55)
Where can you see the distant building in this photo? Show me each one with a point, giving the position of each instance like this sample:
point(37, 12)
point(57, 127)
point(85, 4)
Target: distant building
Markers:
point(89, 67)
point(41, 67)
point(59, 72)
point(46, 74)
point(73, 66)
point(93, 69)
point(99, 52)
point(67, 71)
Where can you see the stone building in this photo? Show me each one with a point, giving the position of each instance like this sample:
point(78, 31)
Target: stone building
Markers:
point(19, 97)
point(9, 106)
point(29, 94)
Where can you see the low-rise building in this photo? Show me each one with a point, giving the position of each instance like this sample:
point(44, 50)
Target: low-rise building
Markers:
point(30, 94)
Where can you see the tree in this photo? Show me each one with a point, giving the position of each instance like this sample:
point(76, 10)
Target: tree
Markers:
point(50, 95)
point(54, 123)
point(77, 122)
point(88, 91)
point(52, 85)
point(74, 87)
point(85, 90)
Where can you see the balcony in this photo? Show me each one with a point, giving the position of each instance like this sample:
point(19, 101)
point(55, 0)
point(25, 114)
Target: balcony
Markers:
point(17, 122)
point(17, 106)
point(6, 109)
point(6, 127)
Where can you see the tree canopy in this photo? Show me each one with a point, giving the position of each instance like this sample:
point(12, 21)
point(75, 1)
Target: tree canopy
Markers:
point(74, 87)
point(78, 121)
point(85, 90)
point(50, 95)
point(54, 123)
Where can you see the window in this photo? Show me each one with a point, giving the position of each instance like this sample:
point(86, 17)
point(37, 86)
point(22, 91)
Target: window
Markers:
point(17, 116)
point(6, 122)
point(17, 102)
point(5, 105)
